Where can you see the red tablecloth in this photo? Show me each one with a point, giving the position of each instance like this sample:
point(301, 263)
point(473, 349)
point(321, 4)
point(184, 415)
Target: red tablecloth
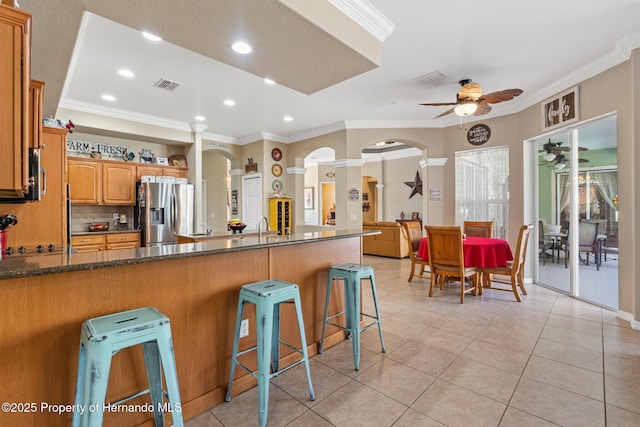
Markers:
point(478, 251)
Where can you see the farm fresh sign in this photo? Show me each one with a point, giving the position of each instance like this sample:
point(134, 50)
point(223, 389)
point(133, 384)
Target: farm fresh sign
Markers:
point(94, 147)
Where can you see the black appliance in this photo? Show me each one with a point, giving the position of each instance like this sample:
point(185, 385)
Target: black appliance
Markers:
point(37, 181)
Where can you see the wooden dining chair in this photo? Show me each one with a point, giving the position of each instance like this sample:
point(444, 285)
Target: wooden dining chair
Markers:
point(446, 259)
point(478, 228)
point(412, 231)
point(515, 268)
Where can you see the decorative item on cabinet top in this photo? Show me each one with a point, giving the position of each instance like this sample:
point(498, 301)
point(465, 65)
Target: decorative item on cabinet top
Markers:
point(250, 166)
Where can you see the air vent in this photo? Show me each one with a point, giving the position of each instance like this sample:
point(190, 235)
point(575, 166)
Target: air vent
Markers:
point(167, 84)
point(433, 77)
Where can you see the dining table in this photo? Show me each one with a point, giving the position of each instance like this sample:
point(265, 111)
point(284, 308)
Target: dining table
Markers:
point(478, 251)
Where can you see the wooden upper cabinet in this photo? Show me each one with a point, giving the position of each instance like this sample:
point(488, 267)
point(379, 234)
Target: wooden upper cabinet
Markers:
point(147, 170)
point(15, 77)
point(118, 184)
point(85, 181)
point(36, 96)
point(175, 172)
point(44, 222)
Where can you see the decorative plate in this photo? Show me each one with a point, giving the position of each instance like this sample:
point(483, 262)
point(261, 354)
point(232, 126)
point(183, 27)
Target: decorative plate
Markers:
point(276, 170)
point(276, 185)
point(276, 154)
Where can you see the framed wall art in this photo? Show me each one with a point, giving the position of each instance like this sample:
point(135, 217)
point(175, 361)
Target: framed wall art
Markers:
point(308, 198)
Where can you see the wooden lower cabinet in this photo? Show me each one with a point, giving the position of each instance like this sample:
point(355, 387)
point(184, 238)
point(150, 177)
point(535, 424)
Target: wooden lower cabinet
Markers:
point(122, 241)
point(88, 243)
point(102, 241)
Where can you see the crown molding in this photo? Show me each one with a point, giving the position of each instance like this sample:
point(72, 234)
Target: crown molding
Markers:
point(198, 127)
point(296, 171)
point(392, 155)
point(436, 161)
point(129, 116)
point(368, 17)
point(343, 163)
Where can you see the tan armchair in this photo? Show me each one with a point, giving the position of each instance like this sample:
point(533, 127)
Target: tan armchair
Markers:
point(391, 241)
point(446, 259)
point(412, 232)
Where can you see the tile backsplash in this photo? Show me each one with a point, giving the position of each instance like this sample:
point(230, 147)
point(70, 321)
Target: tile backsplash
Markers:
point(82, 215)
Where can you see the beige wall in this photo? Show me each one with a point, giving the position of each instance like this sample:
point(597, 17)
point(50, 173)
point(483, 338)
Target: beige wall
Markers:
point(214, 172)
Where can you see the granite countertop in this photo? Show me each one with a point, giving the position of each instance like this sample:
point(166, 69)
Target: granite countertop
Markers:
point(36, 265)
point(227, 235)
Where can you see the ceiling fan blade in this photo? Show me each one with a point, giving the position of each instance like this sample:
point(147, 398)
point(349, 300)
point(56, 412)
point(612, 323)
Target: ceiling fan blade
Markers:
point(440, 104)
point(500, 96)
point(471, 91)
point(449, 111)
point(482, 109)
point(583, 161)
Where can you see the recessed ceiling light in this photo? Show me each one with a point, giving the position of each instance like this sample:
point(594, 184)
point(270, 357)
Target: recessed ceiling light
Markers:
point(229, 102)
point(269, 81)
point(241, 47)
point(200, 118)
point(287, 118)
point(151, 37)
point(108, 97)
point(126, 73)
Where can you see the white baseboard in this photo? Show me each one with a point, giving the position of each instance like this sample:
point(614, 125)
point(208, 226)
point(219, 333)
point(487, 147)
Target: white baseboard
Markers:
point(629, 318)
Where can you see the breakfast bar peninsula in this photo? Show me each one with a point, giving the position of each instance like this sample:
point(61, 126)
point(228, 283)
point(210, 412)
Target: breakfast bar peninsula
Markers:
point(45, 299)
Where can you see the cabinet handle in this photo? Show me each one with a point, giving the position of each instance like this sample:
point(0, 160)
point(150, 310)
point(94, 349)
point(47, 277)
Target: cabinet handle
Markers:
point(108, 248)
point(85, 240)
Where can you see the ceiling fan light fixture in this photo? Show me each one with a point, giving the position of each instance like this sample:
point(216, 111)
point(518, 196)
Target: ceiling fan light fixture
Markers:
point(466, 109)
point(560, 166)
point(549, 157)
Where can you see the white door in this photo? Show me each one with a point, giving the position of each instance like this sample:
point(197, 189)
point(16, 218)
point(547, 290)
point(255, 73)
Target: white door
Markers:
point(252, 200)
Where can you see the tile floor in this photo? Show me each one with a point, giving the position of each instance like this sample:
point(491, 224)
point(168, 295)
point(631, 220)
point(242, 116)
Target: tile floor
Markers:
point(550, 360)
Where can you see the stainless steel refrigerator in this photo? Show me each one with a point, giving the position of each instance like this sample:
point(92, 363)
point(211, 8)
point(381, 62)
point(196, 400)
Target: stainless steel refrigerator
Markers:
point(164, 210)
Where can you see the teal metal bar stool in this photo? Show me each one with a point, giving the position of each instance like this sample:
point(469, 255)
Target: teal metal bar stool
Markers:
point(352, 275)
point(104, 336)
point(267, 296)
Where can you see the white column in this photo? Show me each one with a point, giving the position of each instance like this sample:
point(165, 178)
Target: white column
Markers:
point(194, 160)
point(380, 199)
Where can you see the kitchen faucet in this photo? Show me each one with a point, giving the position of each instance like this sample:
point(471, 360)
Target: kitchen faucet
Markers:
point(266, 221)
point(208, 228)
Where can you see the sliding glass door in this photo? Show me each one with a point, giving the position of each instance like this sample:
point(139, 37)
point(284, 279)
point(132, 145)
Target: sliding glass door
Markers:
point(578, 212)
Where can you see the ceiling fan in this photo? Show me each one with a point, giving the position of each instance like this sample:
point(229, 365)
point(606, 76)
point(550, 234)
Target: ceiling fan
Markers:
point(469, 99)
point(555, 149)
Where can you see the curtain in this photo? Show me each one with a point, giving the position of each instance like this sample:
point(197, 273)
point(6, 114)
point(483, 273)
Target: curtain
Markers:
point(482, 188)
point(564, 190)
point(607, 185)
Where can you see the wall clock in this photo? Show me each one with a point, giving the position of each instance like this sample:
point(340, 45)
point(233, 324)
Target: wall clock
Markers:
point(276, 154)
point(276, 170)
point(276, 186)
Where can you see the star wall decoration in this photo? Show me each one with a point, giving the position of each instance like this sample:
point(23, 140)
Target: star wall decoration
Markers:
point(416, 185)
